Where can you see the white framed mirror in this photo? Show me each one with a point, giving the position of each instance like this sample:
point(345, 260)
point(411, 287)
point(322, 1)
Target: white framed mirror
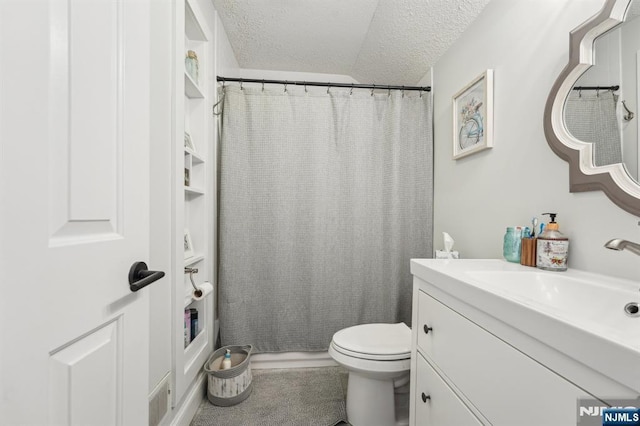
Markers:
point(586, 122)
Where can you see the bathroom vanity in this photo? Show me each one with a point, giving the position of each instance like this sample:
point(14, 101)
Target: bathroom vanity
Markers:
point(503, 344)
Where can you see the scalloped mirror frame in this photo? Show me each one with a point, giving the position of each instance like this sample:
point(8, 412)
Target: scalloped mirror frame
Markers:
point(613, 179)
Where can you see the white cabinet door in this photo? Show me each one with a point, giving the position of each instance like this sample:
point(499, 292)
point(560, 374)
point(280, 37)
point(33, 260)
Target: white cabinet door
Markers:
point(74, 124)
point(436, 404)
point(500, 380)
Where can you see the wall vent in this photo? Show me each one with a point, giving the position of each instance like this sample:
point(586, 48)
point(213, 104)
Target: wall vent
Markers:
point(159, 402)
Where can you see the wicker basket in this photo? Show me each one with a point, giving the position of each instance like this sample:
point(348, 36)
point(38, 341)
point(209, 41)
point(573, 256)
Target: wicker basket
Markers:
point(231, 386)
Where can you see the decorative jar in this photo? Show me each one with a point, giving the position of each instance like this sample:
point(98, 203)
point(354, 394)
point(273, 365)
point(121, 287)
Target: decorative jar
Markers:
point(192, 66)
point(512, 243)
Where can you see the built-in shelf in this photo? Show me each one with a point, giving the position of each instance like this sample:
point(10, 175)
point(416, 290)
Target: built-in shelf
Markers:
point(194, 203)
point(189, 190)
point(192, 28)
point(197, 159)
point(195, 347)
point(194, 259)
point(188, 300)
point(191, 88)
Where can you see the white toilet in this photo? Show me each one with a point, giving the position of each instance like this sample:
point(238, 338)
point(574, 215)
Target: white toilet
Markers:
point(378, 357)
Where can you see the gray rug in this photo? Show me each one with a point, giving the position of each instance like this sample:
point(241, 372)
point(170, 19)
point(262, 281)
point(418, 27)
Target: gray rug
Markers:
point(295, 397)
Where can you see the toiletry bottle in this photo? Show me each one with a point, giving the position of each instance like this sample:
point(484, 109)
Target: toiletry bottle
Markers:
point(553, 247)
point(226, 362)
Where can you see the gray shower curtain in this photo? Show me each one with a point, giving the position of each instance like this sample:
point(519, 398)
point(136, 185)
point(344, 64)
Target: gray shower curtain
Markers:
point(324, 199)
point(591, 117)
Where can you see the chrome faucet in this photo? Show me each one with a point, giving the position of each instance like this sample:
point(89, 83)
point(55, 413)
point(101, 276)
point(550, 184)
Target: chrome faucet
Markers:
point(620, 244)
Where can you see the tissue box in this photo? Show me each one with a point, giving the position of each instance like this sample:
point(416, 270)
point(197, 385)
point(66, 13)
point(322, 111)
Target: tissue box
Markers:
point(441, 254)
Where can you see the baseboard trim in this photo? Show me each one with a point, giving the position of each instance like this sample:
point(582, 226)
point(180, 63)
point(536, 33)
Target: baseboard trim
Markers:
point(292, 360)
point(191, 402)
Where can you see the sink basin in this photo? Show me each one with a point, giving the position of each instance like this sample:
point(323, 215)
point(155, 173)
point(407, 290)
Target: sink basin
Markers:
point(578, 314)
point(585, 300)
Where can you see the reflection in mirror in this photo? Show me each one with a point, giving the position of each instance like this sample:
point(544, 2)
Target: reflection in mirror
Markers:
point(614, 179)
point(602, 105)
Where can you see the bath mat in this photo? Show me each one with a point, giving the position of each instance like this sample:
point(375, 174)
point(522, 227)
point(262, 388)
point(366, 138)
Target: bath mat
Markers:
point(290, 397)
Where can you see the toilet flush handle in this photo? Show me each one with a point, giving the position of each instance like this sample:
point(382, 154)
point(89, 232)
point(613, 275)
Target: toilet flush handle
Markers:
point(427, 329)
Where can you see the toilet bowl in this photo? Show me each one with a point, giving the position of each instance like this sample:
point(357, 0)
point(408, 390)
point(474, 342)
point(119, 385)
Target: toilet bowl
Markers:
point(378, 358)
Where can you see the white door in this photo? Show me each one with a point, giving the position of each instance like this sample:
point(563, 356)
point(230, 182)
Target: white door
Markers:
point(74, 138)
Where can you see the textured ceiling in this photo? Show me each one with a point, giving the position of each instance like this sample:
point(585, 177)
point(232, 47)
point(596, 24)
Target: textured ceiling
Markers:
point(373, 41)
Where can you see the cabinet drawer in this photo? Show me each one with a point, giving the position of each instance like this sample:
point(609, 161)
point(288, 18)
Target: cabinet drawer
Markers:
point(488, 371)
point(443, 407)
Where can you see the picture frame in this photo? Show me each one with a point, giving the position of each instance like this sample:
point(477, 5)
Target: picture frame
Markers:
point(473, 116)
point(188, 245)
point(188, 143)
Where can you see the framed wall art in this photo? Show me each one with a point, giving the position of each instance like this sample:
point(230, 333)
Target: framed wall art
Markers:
point(188, 245)
point(188, 143)
point(473, 116)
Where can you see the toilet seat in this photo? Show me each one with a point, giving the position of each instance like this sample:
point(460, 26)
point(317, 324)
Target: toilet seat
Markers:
point(376, 342)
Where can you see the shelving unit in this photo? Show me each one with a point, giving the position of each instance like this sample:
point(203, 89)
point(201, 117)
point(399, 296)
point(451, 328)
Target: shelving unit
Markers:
point(191, 88)
point(193, 192)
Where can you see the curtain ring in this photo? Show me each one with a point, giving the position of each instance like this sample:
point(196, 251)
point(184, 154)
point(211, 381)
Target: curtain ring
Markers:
point(388, 90)
point(223, 82)
point(373, 88)
point(351, 91)
point(403, 91)
point(580, 93)
point(597, 93)
point(263, 85)
point(305, 87)
point(285, 86)
point(328, 87)
point(241, 88)
point(421, 93)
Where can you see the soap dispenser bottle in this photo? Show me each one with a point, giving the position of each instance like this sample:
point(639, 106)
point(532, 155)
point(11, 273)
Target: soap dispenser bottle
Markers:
point(226, 362)
point(553, 247)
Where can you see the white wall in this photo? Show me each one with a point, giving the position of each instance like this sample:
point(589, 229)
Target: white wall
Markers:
point(160, 196)
point(526, 43)
point(295, 76)
point(227, 64)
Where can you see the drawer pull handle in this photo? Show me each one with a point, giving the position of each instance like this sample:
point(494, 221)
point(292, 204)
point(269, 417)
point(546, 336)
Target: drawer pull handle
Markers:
point(427, 329)
point(425, 397)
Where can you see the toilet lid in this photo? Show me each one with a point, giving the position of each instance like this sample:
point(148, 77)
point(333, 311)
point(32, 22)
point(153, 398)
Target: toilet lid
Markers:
point(375, 341)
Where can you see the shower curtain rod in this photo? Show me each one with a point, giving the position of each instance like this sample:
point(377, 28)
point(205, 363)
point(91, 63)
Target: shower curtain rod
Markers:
point(315, 83)
point(612, 88)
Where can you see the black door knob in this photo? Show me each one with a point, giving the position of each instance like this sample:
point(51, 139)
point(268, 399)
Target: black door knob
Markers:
point(425, 397)
point(140, 276)
point(427, 329)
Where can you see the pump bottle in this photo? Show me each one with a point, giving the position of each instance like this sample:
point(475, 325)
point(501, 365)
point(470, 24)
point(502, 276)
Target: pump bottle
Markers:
point(226, 362)
point(552, 248)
